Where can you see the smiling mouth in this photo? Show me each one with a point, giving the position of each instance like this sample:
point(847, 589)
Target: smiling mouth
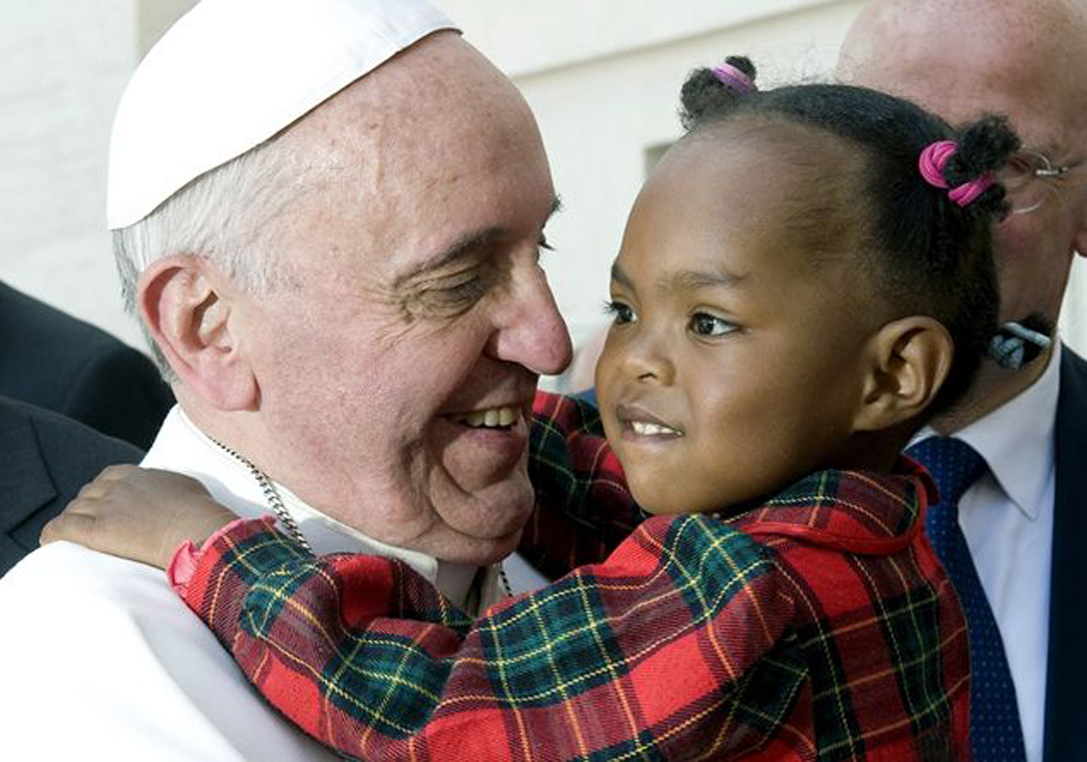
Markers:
point(502, 418)
point(648, 429)
point(640, 423)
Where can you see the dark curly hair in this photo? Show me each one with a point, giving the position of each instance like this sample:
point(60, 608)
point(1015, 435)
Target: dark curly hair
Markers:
point(924, 253)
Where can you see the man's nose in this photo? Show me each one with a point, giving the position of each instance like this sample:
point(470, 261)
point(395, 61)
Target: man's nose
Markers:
point(530, 331)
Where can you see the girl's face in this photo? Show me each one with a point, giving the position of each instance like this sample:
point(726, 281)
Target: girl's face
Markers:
point(734, 364)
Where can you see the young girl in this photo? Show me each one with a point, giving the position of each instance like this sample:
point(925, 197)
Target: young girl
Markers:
point(805, 279)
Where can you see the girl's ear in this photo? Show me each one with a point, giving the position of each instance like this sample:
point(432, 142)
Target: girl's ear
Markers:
point(188, 307)
point(1079, 242)
point(909, 360)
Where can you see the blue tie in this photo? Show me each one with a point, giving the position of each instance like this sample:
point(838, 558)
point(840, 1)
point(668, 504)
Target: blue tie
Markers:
point(995, 732)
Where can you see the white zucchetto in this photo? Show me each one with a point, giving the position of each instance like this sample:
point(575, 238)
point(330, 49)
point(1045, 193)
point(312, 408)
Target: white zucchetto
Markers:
point(232, 73)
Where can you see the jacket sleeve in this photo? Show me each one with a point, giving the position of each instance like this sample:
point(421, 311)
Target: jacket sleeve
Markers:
point(583, 507)
point(678, 643)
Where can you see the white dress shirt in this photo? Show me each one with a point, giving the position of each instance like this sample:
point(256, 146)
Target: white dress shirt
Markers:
point(1007, 519)
point(100, 660)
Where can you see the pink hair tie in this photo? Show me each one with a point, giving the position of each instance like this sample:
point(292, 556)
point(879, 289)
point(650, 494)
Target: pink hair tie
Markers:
point(932, 162)
point(734, 79)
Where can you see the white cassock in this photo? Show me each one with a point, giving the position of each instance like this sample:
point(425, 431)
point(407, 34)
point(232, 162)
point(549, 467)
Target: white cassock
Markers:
point(100, 660)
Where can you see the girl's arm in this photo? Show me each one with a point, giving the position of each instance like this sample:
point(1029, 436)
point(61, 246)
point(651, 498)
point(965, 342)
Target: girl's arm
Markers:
point(583, 507)
point(679, 642)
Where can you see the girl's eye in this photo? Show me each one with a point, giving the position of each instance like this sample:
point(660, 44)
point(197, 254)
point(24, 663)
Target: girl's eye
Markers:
point(621, 313)
point(705, 324)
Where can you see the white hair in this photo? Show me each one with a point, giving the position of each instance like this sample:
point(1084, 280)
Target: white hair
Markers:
point(228, 215)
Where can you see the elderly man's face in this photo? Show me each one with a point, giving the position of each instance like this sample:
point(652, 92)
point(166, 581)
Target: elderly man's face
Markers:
point(397, 367)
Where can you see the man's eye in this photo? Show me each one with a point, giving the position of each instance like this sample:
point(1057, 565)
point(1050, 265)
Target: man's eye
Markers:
point(544, 244)
point(621, 313)
point(471, 290)
point(449, 300)
point(705, 324)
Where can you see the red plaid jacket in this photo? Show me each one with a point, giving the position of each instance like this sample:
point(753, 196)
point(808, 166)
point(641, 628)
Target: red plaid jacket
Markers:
point(817, 626)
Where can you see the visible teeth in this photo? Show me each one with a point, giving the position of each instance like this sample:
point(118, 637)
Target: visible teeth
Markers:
point(644, 429)
point(494, 417)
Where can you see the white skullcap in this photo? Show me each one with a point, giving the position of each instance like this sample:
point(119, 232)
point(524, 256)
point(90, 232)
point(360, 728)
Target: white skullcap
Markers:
point(231, 74)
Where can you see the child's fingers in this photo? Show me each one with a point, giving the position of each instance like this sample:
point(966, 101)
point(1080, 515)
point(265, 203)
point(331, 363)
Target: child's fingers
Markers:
point(138, 514)
point(70, 526)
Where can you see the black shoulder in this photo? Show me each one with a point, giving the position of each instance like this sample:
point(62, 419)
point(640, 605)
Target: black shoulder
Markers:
point(59, 362)
point(46, 459)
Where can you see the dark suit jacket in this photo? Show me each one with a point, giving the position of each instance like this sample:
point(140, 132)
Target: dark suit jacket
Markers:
point(55, 361)
point(44, 459)
point(1066, 678)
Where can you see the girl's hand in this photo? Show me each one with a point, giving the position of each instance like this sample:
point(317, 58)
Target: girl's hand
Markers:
point(138, 513)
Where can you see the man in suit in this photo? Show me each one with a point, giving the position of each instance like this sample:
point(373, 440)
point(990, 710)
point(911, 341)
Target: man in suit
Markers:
point(46, 459)
point(1025, 519)
point(54, 361)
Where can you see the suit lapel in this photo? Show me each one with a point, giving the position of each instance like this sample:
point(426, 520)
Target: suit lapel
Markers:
point(1066, 679)
point(25, 483)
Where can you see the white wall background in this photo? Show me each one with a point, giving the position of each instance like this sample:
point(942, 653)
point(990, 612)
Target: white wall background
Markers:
point(65, 65)
point(602, 76)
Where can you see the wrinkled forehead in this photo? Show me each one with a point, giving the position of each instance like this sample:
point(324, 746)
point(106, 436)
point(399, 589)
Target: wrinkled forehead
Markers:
point(427, 150)
point(436, 97)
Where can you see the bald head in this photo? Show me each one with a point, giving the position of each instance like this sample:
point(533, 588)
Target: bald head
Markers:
point(979, 53)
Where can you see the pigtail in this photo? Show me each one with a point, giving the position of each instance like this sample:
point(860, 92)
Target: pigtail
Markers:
point(711, 91)
point(983, 147)
point(981, 150)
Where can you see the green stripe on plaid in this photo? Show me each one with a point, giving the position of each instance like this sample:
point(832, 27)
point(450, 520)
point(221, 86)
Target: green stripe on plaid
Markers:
point(710, 562)
point(813, 492)
point(394, 689)
point(387, 688)
point(911, 627)
point(912, 633)
point(550, 466)
point(764, 698)
point(255, 560)
point(835, 718)
point(559, 646)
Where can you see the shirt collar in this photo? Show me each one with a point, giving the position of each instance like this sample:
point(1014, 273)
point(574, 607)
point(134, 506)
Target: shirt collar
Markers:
point(180, 446)
point(1016, 439)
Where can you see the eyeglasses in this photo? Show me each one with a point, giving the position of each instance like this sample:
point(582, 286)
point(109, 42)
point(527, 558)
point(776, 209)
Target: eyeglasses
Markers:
point(1024, 178)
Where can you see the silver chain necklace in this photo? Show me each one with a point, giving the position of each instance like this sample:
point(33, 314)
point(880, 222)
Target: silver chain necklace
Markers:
point(271, 494)
point(275, 502)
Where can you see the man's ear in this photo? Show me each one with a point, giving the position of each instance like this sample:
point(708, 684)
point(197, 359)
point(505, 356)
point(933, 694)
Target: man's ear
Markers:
point(908, 361)
point(188, 306)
